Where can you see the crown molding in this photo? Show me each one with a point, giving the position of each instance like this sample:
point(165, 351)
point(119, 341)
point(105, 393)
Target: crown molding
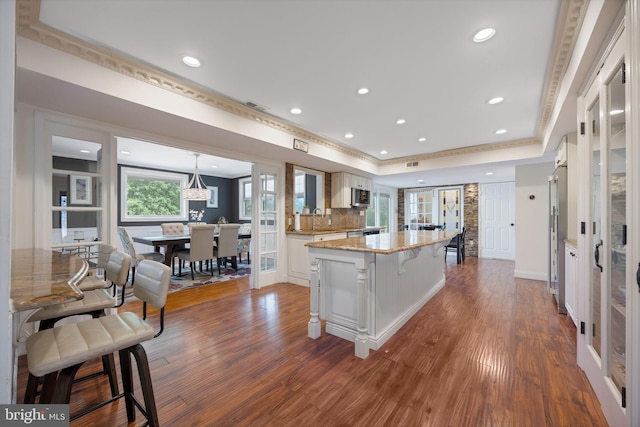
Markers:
point(570, 19)
point(30, 27)
point(475, 149)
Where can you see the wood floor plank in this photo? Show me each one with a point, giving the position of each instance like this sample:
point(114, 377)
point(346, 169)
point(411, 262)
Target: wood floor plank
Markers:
point(487, 350)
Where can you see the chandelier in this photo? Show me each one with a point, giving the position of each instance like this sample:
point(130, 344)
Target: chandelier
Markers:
point(196, 189)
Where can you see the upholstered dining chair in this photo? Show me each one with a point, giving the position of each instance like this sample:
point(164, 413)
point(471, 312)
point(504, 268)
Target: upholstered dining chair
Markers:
point(200, 247)
point(244, 244)
point(227, 248)
point(173, 229)
point(127, 243)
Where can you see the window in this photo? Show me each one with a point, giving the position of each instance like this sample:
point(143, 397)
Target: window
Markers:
point(308, 189)
point(378, 214)
point(244, 185)
point(149, 195)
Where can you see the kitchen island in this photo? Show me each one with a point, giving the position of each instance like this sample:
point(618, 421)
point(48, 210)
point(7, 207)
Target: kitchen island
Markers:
point(366, 288)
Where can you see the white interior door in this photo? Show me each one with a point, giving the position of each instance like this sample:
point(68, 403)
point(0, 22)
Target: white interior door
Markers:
point(497, 235)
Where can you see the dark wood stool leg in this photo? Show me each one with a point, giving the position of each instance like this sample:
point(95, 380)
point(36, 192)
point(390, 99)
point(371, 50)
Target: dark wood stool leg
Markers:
point(127, 383)
point(31, 390)
point(145, 384)
point(49, 382)
point(109, 366)
point(62, 392)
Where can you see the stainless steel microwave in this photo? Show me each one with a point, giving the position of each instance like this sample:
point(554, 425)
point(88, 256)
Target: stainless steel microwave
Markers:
point(360, 198)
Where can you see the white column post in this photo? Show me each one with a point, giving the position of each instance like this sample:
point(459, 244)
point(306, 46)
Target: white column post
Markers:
point(362, 340)
point(314, 285)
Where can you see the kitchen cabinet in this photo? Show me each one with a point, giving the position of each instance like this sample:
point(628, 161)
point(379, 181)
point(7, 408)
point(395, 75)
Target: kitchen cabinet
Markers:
point(298, 269)
point(341, 185)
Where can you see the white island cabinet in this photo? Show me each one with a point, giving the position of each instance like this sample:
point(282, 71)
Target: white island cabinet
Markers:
point(366, 288)
point(298, 254)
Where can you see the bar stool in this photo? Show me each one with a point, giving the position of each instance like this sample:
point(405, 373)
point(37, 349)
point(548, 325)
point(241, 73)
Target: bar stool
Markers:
point(56, 354)
point(90, 283)
point(94, 303)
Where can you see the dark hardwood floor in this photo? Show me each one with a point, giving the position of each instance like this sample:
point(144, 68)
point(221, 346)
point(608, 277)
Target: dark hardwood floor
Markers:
point(488, 350)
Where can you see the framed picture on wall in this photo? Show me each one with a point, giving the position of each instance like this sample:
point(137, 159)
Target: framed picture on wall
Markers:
point(213, 200)
point(80, 190)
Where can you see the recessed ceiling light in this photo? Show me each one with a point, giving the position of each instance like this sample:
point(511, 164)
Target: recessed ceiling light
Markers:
point(363, 91)
point(214, 166)
point(496, 100)
point(295, 110)
point(423, 139)
point(348, 135)
point(421, 181)
point(191, 61)
point(616, 112)
point(384, 152)
point(401, 121)
point(489, 173)
point(85, 151)
point(125, 152)
point(501, 131)
point(484, 35)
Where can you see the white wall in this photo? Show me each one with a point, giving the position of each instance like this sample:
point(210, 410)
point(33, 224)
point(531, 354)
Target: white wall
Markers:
point(532, 220)
point(7, 67)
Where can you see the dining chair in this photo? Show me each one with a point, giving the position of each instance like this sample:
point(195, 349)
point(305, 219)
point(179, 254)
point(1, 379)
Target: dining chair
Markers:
point(55, 355)
point(227, 248)
point(173, 229)
point(200, 247)
point(244, 244)
point(457, 244)
point(130, 249)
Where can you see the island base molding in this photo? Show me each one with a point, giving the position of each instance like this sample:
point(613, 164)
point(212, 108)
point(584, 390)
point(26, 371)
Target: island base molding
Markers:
point(374, 343)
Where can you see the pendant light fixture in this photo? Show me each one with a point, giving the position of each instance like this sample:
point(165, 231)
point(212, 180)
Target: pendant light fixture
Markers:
point(196, 189)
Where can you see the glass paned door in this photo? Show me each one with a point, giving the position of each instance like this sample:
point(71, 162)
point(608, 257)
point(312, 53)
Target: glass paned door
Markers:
point(268, 223)
point(602, 350)
point(596, 240)
point(617, 216)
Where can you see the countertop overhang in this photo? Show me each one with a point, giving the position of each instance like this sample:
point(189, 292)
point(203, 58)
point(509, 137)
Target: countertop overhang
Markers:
point(330, 231)
point(387, 243)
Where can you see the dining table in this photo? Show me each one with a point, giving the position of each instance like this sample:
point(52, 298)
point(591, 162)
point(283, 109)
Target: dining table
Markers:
point(171, 242)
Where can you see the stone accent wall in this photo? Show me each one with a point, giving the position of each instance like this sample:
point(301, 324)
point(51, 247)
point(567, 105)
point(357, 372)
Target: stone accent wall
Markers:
point(470, 200)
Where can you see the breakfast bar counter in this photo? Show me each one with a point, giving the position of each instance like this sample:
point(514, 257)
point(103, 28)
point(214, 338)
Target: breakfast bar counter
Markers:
point(366, 288)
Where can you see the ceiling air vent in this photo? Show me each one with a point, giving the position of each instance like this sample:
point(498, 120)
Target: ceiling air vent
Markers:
point(411, 164)
point(256, 106)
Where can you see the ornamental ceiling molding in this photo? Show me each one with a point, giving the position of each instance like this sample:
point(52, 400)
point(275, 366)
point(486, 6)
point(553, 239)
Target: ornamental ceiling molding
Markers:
point(30, 27)
point(465, 150)
point(570, 19)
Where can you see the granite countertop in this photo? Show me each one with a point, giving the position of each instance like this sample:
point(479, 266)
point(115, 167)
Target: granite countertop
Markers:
point(41, 277)
point(386, 243)
point(330, 230)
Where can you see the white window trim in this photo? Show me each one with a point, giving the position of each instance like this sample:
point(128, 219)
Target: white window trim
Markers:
point(127, 172)
point(241, 183)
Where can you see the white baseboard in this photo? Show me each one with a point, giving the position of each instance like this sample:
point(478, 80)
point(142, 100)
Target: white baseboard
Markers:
point(530, 275)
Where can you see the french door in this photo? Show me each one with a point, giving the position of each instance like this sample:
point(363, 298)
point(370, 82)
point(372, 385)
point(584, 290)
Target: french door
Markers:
point(268, 242)
point(603, 334)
